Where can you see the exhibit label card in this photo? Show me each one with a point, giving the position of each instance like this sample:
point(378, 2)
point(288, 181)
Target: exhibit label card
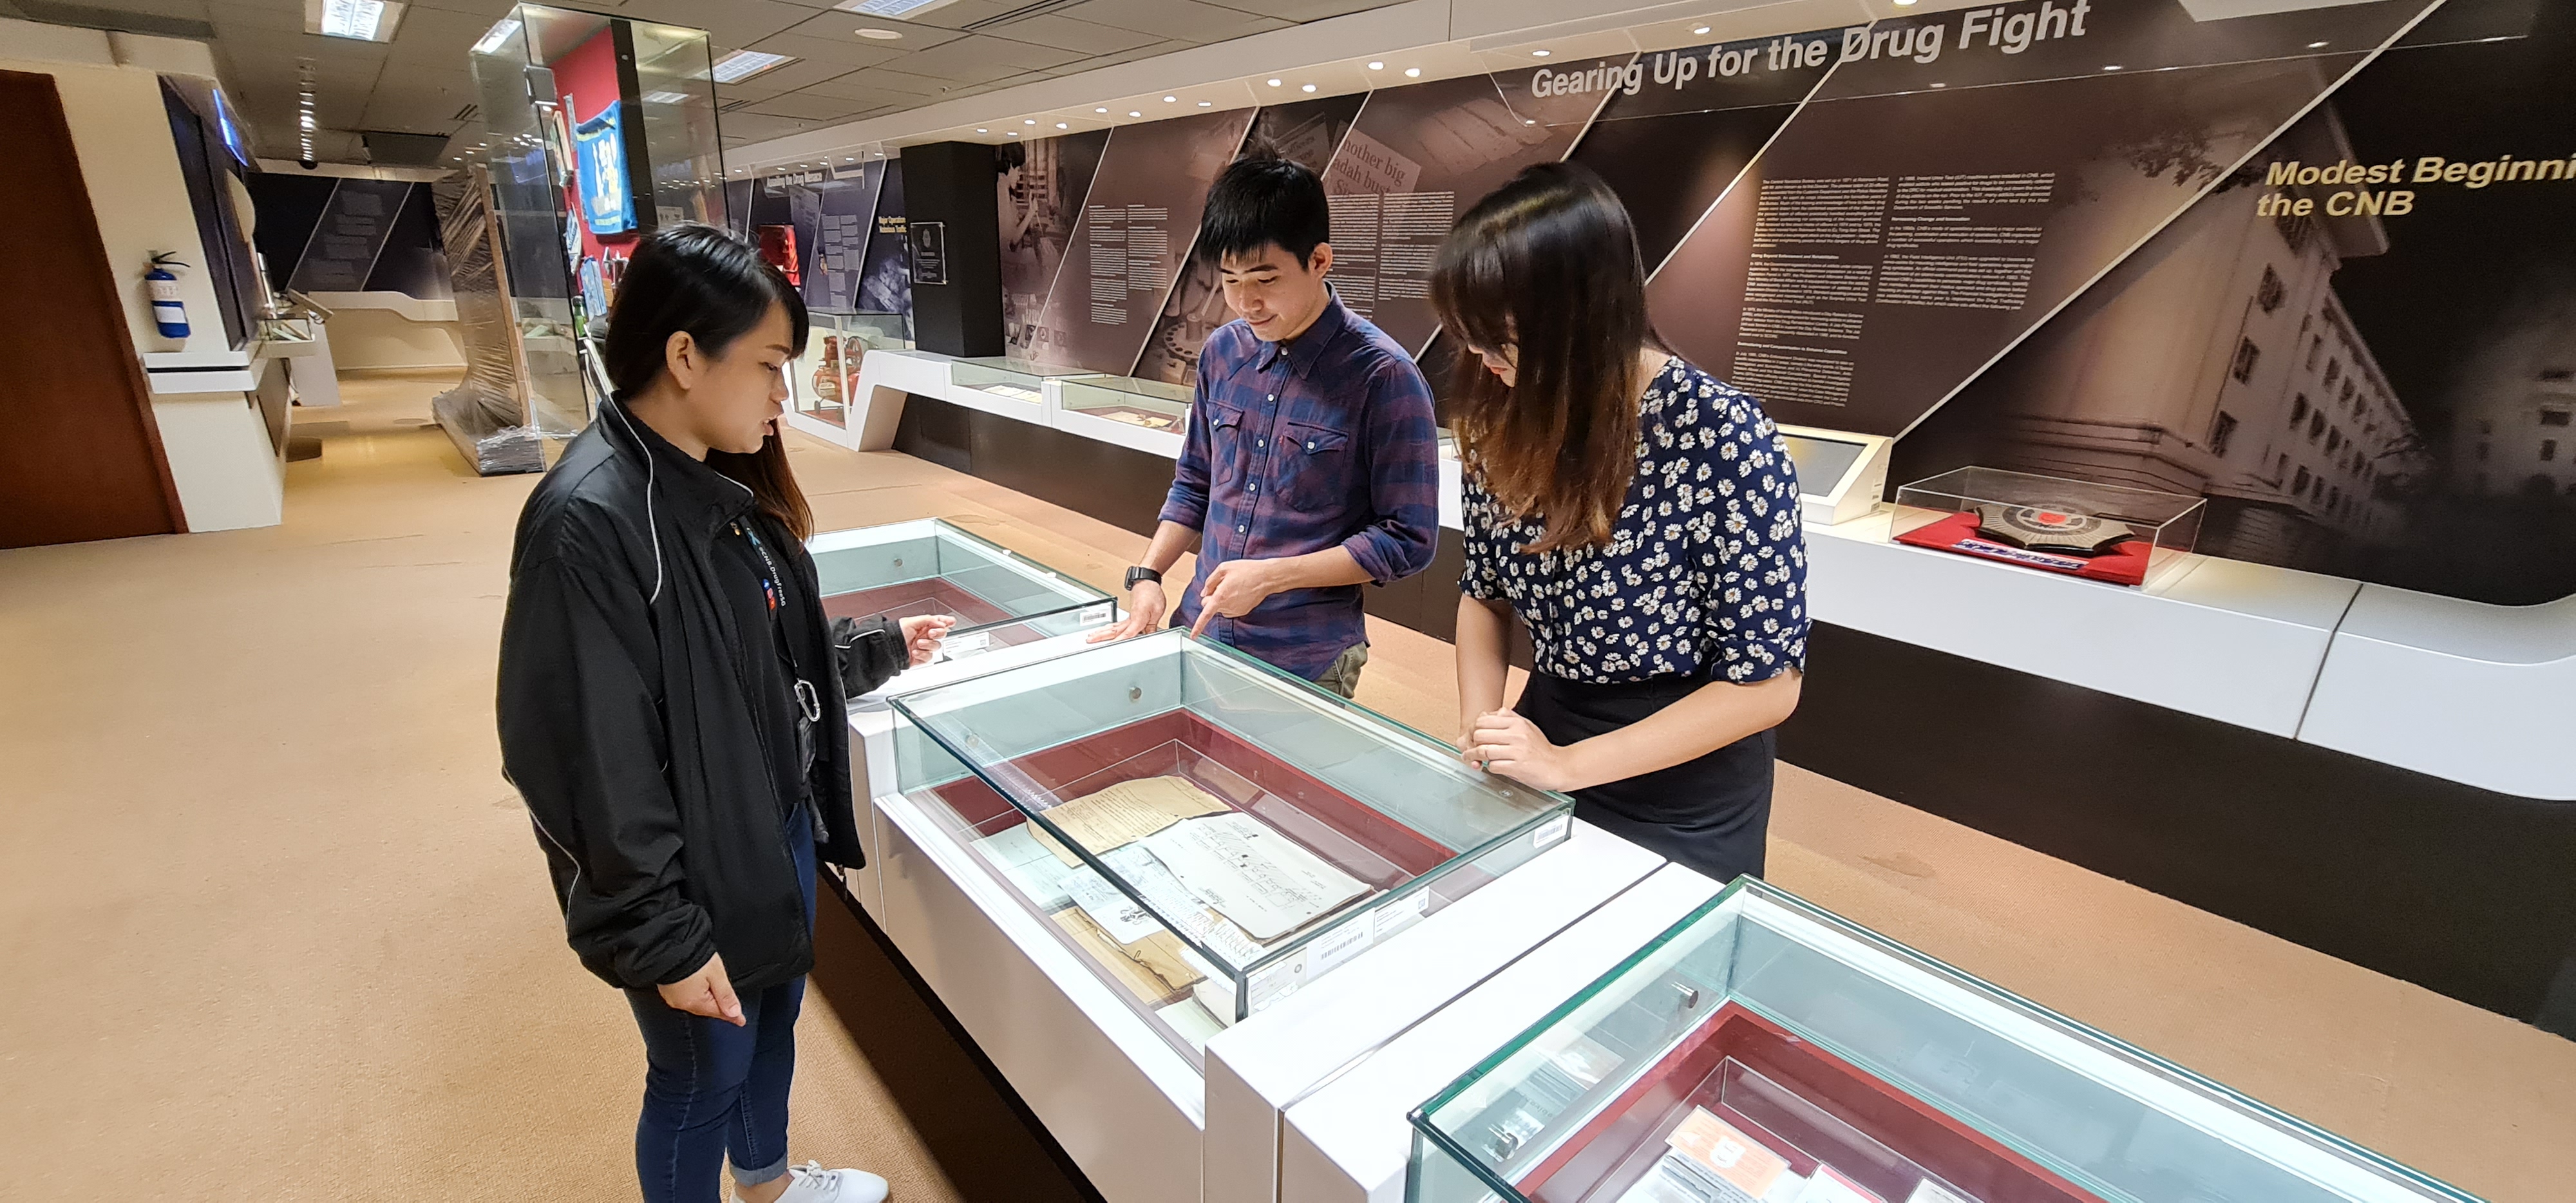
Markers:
point(1251, 874)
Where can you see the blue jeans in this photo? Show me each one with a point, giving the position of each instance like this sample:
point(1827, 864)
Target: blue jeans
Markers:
point(713, 1090)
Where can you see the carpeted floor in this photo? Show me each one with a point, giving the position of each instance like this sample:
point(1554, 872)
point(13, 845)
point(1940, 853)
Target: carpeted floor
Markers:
point(276, 929)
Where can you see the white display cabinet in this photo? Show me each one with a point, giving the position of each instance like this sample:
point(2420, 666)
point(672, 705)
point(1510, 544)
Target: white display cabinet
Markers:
point(1161, 1057)
point(1764, 1048)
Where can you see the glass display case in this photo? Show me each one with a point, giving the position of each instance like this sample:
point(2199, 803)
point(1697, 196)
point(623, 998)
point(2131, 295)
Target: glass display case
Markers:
point(1004, 378)
point(1143, 404)
point(2076, 527)
point(571, 188)
point(1207, 832)
point(1764, 1049)
point(909, 569)
point(824, 381)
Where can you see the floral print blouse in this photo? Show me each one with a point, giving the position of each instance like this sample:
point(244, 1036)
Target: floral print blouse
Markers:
point(1705, 572)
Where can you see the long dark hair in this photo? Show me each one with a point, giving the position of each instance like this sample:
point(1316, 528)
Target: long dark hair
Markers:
point(703, 280)
point(1548, 264)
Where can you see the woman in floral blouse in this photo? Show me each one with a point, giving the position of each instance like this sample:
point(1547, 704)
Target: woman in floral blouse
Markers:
point(1638, 514)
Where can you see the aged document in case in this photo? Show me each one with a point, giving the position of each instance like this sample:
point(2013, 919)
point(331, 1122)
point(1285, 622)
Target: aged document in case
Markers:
point(1124, 813)
point(1265, 882)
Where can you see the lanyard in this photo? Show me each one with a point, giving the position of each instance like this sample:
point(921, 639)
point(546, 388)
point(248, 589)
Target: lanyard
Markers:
point(808, 700)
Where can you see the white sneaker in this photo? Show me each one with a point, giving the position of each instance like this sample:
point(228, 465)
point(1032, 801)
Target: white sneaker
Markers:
point(811, 1183)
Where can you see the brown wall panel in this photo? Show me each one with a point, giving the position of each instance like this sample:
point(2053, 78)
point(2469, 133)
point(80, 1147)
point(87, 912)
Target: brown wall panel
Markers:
point(80, 455)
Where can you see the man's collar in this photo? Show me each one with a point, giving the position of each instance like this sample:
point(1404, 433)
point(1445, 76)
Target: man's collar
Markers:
point(1303, 350)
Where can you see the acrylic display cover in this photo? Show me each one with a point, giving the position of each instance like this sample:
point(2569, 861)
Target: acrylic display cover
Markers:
point(1212, 833)
point(929, 566)
point(1764, 1049)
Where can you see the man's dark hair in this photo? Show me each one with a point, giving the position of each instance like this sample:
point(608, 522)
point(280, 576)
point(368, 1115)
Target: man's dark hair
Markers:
point(1261, 200)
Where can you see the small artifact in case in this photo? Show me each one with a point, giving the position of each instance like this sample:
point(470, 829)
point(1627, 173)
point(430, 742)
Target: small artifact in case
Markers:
point(2079, 528)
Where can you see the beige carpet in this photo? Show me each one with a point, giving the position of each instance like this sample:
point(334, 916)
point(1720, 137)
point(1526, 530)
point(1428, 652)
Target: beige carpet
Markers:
point(276, 929)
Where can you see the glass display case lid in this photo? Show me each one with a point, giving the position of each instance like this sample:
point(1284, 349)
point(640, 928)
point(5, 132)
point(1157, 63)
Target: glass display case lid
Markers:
point(1252, 814)
point(1764, 1048)
point(932, 566)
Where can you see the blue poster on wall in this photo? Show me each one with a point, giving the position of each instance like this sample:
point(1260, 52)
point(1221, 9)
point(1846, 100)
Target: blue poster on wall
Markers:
point(606, 202)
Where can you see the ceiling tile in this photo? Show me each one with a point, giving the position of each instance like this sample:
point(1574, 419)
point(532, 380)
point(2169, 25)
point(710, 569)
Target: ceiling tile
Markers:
point(801, 104)
point(759, 127)
point(855, 86)
point(731, 23)
point(846, 51)
point(900, 81)
point(438, 36)
point(276, 18)
point(1084, 36)
point(1302, 11)
point(780, 79)
point(963, 13)
point(1174, 18)
point(981, 59)
point(839, 25)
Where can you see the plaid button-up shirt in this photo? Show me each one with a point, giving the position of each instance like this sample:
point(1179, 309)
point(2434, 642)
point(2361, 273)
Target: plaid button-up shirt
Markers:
point(1326, 440)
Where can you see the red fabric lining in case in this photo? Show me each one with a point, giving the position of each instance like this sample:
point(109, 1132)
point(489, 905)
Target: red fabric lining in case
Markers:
point(2125, 564)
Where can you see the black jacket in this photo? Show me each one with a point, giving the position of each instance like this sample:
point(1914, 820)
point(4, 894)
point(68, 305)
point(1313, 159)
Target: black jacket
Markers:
point(660, 792)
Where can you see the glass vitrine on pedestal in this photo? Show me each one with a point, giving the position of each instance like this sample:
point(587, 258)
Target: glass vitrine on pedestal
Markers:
point(1765, 1049)
point(1207, 833)
point(932, 567)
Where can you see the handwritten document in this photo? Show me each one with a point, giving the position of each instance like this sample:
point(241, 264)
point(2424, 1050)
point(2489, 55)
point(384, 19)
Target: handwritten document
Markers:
point(1125, 813)
point(1138, 866)
point(1265, 882)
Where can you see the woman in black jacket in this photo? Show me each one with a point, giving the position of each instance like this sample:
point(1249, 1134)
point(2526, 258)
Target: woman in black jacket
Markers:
point(671, 707)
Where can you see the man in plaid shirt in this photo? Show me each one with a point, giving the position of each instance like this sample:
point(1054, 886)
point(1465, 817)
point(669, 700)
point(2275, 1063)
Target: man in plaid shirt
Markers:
point(1311, 466)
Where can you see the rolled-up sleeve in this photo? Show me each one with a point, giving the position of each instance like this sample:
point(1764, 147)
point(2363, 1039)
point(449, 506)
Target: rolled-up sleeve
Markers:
point(1402, 441)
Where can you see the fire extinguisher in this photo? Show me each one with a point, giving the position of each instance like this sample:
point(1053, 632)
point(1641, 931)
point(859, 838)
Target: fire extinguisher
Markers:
point(168, 311)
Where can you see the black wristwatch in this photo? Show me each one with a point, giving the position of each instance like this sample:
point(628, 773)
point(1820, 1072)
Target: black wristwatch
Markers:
point(1141, 573)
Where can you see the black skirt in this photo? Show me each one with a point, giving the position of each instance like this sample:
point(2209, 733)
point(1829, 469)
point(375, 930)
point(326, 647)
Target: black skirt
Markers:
point(1711, 813)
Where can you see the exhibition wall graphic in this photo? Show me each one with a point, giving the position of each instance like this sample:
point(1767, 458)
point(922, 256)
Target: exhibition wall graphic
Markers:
point(2361, 347)
point(885, 274)
point(1039, 187)
point(332, 234)
point(1137, 222)
point(1304, 131)
point(2307, 263)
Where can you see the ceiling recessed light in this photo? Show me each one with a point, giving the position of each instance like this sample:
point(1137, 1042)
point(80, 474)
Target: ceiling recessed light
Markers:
point(2110, 66)
point(1940, 85)
point(2317, 45)
point(880, 35)
point(1100, 110)
point(1903, 3)
point(1541, 53)
point(1207, 104)
point(1134, 113)
point(1171, 99)
point(1377, 66)
point(1028, 121)
point(356, 20)
point(1702, 31)
point(981, 130)
point(1274, 83)
point(1310, 87)
point(743, 64)
point(1413, 73)
point(1061, 125)
point(1015, 133)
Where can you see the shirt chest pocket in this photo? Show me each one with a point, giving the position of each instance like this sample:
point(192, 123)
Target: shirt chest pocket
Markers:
point(1316, 468)
point(1229, 449)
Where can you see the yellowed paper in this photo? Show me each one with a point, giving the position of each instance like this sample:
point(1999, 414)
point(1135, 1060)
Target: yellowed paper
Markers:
point(1151, 969)
point(1123, 814)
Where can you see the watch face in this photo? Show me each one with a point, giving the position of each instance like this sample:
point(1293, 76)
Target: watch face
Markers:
point(2046, 528)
